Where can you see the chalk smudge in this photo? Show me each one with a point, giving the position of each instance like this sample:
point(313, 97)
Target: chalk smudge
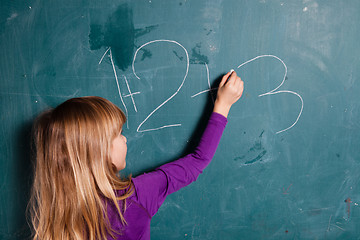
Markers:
point(256, 148)
point(96, 36)
point(197, 57)
point(314, 212)
point(118, 33)
point(177, 55)
point(209, 31)
point(259, 157)
point(146, 54)
point(143, 31)
point(12, 17)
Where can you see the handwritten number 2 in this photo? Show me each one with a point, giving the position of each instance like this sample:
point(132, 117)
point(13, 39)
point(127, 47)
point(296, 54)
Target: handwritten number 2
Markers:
point(173, 95)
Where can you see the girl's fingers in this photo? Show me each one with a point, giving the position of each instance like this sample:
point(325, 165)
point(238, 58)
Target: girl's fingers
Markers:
point(232, 77)
point(224, 78)
point(234, 81)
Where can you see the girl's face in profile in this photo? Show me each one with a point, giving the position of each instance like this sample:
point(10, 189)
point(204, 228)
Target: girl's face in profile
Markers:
point(118, 152)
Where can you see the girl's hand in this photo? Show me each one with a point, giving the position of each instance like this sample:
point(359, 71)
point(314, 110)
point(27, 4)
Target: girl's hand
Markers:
point(230, 90)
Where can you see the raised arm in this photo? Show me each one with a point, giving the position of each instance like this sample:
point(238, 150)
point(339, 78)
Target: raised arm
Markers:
point(152, 188)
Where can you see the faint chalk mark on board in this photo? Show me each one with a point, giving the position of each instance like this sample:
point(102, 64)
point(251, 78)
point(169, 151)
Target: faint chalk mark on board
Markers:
point(338, 227)
point(274, 91)
point(286, 191)
point(333, 224)
point(173, 95)
point(328, 229)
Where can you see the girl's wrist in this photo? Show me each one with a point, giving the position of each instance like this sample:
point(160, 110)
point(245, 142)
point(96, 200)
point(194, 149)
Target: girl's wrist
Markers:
point(221, 108)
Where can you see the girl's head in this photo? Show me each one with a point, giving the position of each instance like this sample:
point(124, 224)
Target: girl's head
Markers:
point(81, 133)
point(79, 149)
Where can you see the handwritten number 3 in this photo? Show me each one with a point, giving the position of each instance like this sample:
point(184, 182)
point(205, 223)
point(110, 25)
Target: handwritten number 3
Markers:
point(274, 91)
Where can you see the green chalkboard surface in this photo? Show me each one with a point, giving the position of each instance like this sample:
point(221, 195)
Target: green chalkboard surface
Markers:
point(288, 165)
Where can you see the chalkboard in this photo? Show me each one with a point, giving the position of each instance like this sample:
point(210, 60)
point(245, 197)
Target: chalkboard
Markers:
point(288, 164)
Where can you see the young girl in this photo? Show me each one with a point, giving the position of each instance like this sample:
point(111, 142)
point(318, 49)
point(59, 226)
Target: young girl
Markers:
point(77, 193)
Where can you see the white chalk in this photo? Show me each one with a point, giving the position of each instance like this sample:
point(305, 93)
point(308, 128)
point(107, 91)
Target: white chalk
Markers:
point(232, 70)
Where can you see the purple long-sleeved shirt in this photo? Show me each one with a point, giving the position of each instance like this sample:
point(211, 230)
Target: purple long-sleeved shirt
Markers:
point(152, 188)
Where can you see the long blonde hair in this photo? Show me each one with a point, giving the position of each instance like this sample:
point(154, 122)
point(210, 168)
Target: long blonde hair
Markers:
point(74, 174)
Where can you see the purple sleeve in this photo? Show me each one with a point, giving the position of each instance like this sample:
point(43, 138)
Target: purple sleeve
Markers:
point(152, 188)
